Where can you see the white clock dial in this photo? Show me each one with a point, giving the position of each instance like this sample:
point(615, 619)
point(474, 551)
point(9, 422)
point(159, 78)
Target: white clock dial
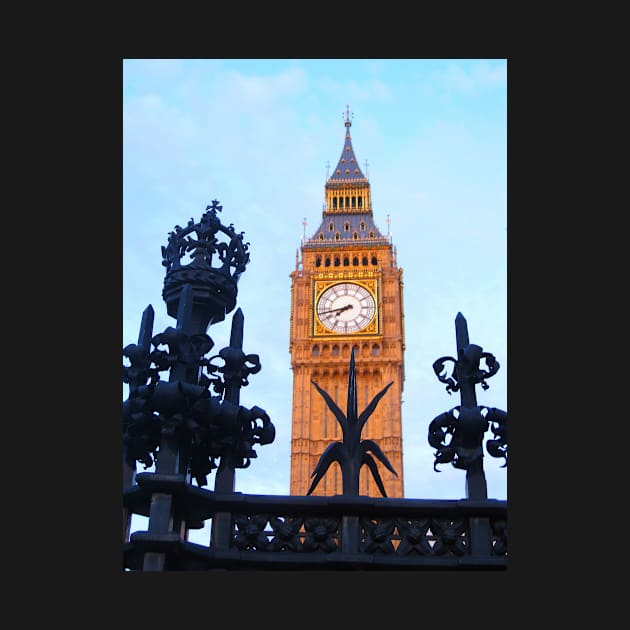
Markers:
point(346, 307)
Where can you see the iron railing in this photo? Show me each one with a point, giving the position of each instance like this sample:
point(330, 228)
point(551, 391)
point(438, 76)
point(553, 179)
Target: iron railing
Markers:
point(184, 431)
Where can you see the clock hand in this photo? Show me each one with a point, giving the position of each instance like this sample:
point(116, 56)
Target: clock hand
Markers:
point(336, 310)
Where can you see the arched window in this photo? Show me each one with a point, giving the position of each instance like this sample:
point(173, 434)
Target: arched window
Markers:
point(335, 350)
point(315, 351)
point(354, 202)
point(374, 260)
point(321, 236)
point(364, 261)
point(346, 227)
point(318, 262)
point(355, 261)
point(375, 350)
point(371, 234)
point(336, 261)
point(337, 237)
point(331, 226)
point(362, 226)
point(347, 202)
point(346, 261)
point(327, 262)
point(360, 202)
point(334, 203)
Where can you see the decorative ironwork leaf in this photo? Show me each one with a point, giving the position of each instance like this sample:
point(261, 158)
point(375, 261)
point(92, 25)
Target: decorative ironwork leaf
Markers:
point(332, 405)
point(368, 460)
point(371, 445)
point(367, 412)
point(335, 452)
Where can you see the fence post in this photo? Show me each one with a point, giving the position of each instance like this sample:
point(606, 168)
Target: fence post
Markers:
point(221, 532)
point(466, 426)
point(129, 468)
point(172, 461)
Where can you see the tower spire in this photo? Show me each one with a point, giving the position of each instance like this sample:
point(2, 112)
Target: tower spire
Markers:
point(347, 169)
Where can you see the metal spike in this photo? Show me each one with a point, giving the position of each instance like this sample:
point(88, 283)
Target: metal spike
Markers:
point(461, 332)
point(146, 328)
point(236, 334)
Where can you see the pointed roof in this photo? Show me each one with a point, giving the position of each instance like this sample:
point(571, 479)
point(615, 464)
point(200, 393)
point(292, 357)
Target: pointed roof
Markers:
point(348, 169)
point(357, 229)
point(352, 225)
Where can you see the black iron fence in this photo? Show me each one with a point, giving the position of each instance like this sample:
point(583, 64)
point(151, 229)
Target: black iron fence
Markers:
point(338, 532)
point(184, 431)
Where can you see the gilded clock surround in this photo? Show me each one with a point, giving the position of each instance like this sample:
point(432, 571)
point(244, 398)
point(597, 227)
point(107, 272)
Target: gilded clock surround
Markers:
point(353, 251)
point(320, 286)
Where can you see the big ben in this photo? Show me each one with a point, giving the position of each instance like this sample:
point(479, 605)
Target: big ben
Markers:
point(346, 293)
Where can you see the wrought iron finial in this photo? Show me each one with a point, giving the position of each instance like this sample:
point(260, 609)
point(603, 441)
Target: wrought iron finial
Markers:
point(215, 207)
point(352, 452)
point(233, 255)
point(217, 427)
point(458, 433)
point(214, 267)
point(237, 365)
point(161, 418)
point(466, 371)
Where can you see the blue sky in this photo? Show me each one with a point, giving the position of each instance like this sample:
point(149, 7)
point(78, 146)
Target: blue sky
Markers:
point(257, 135)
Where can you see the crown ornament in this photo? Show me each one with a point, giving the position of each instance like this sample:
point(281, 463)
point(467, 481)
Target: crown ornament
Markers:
point(213, 269)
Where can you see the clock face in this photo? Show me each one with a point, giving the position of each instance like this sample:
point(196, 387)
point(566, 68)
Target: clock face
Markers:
point(346, 307)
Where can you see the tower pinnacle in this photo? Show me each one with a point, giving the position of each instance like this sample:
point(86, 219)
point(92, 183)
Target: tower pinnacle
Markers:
point(347, 169)
point(348, 123)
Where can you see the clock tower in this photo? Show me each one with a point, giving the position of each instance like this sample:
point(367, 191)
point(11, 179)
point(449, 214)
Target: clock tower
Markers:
point(346, 292)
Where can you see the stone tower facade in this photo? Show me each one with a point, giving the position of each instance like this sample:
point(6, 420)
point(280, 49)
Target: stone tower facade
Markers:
point(346, 292)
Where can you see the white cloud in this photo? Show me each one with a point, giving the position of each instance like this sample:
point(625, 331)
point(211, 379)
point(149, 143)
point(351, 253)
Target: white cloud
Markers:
point(250, 91)
point(469, 76)
point(352, 91)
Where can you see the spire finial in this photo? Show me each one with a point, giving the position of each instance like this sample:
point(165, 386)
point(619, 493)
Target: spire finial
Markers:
point(348, 116)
